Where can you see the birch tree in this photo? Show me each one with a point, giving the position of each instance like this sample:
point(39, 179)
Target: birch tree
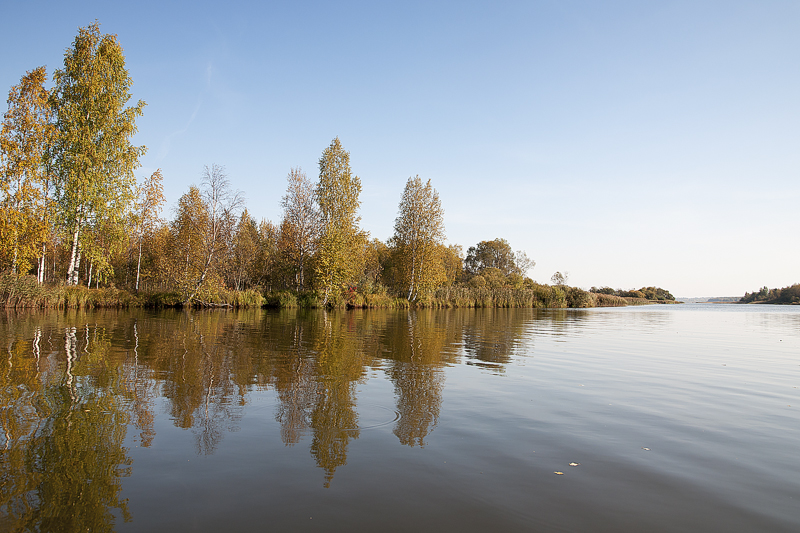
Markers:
point(185, 240)
point(204, 228)
point(300, 228)
point(93, 157)
point(24, 182)
point(148, 206)
point(339, 257)
point(243, 253)
point(419, 238)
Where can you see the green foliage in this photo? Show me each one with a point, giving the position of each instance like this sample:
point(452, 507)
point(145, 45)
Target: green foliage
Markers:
point(75, 141)
point(647, 293)
point(25, 136)
point(161, 300)
point(419, 239)
point(490, 254)
point(579, 298)
point(282, 299)
point(339, 258)
point(786, 295)
point(610, 300)
point(92, 155)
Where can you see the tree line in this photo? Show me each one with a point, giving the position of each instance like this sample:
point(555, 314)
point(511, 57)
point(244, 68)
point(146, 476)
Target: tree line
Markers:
point(648, 293)
point(786, 295)
point(73, 214)
point(72, 211)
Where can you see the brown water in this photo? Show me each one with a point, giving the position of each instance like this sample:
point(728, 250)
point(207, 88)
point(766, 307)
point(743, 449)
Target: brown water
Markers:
point(681, 418)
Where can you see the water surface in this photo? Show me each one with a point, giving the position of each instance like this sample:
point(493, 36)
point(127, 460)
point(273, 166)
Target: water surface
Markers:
point(678, 418)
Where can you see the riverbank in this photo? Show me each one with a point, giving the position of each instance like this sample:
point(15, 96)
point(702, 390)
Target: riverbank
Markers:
point(22, 292)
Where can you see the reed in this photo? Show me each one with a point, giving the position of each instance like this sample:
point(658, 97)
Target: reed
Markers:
point(610, 300)
point(282, 300)
point(637, 301)
point(247, 298)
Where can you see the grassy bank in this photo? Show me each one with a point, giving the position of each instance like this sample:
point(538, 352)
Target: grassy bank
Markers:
point(23, 292)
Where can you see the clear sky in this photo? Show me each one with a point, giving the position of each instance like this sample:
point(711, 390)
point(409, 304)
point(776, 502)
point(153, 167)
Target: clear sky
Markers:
point(629, 143)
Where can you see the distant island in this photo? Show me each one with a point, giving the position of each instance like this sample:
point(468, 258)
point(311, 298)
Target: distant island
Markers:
point(711, 300)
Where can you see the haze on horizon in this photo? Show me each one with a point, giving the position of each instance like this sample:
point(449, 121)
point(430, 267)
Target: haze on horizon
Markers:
point(629, 144)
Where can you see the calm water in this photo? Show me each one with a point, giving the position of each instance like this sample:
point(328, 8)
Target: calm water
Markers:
point(681, 418)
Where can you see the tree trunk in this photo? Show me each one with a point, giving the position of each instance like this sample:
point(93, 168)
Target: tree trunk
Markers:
point(138, 265)
point(16, 252)
point(40, 272)
point(74, 259)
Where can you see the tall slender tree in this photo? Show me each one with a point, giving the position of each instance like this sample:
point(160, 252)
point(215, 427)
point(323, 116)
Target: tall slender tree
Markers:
point(243, 253)
point(419, 238)
point(93, 157)
point(186, 240)
point(148, 206)
point(24, 182)
point(204, 229)
point(300, 227)
point(339, 256)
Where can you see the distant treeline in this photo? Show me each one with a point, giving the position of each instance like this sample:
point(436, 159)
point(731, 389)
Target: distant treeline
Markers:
point(648, 293)
point(786, 295)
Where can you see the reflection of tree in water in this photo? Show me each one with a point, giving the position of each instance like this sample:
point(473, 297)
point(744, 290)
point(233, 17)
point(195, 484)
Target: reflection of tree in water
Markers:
point(63, 456)
point(294, 379)
point(140, 389)
point(417, 345)
point(318, 358)
point(492, 336)
point(197, 354)
point(339, 365)
point(97, 379)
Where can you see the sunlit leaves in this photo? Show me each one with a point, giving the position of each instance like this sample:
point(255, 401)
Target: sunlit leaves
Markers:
point(25, 135)
point(418, 238)
point(339, 259)
point(93, 156)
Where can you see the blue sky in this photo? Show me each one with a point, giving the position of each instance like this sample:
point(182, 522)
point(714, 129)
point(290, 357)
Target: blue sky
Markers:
point(628, 143)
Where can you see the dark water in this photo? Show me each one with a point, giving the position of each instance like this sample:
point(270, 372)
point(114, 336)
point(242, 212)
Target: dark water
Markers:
point(682, 418)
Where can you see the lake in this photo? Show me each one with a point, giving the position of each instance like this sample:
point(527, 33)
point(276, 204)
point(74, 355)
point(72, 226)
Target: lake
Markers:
point(656, 418)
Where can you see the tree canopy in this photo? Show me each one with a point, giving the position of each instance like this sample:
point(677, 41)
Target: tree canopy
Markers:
point(419, 238)
point(92, 157)
point(26, 133)
point(339, 255)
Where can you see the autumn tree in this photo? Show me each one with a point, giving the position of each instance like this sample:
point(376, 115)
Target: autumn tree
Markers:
point(266, 265)
point(496, 254)
point(191, 217)
point(338, 259)
point(205, 226)
point(24, 182)
point(418, 238)
point(300, 228)
point(453, 260)
point(92, 156)
point(490, 254)
point(375, 254)
point(149, 200)
point(105, 240)
point(243, 253)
